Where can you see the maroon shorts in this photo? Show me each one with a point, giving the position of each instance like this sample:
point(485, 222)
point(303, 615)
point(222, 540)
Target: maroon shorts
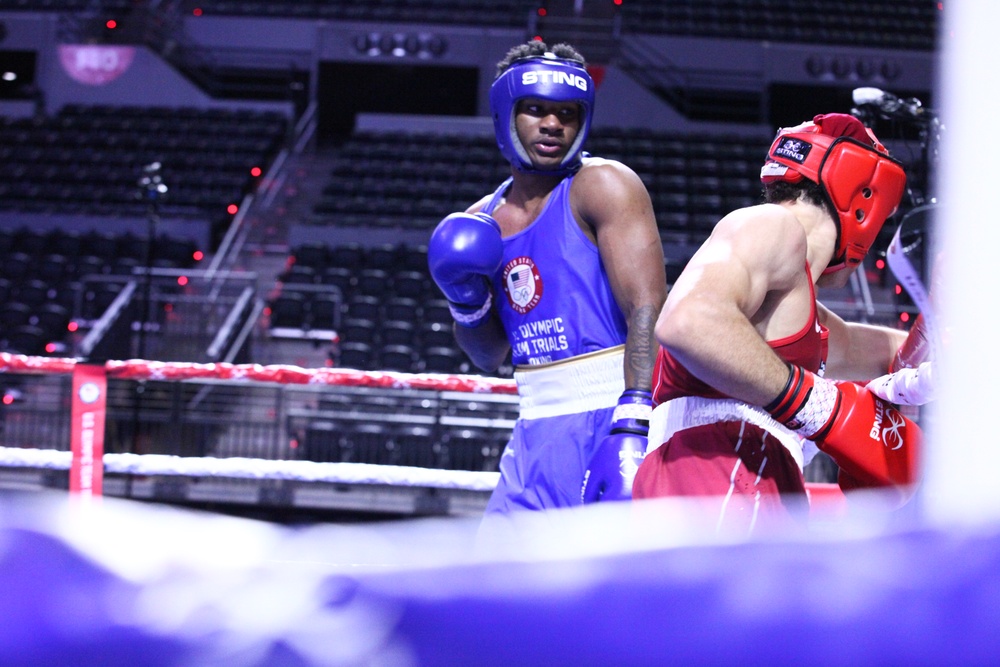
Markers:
point(735, 467)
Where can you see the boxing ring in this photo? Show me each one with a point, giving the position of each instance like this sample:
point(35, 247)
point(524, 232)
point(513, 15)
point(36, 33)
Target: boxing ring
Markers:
point(90, 579)
point(99, 582)
point(199, 415)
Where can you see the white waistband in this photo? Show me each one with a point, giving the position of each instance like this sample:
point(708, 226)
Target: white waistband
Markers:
point(581, 384)
point(689, 411)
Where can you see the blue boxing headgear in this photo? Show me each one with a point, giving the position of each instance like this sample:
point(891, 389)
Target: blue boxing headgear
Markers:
point(545, 77)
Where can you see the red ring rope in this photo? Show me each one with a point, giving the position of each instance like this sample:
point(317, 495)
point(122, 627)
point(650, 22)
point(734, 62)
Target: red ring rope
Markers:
point(139, 369)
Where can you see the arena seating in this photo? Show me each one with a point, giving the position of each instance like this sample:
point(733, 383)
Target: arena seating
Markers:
point(889, 24)
point(511, 13)
point(389, 318)
point(406, 180)
point(64, 5)
point(49, 280)
point(88, 159)
point(409, 181)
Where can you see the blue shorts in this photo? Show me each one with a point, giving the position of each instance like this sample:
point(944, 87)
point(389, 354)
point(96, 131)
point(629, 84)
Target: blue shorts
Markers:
point(542, 466)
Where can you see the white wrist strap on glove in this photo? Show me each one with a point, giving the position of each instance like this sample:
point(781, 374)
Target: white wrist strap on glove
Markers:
point(907, 386)
point(632, 411)
point(467, 319)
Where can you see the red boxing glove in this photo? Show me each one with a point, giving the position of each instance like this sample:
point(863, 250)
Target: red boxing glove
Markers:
point(872, 443)
point(915, 349)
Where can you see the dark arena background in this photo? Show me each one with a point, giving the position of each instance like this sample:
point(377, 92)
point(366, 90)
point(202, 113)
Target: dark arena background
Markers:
point(214, 219)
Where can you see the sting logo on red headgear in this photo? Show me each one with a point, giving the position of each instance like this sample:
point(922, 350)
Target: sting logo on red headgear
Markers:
point(862, 182)
point(793, 149)
point(522, 283)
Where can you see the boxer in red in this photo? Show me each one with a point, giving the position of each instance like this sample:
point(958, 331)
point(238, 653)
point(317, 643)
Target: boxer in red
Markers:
point(754, 373)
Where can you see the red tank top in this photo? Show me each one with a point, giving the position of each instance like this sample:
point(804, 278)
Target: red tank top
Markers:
point(807, 348)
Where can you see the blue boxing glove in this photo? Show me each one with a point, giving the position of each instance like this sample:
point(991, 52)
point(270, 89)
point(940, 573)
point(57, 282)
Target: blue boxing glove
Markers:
point(464, 253)
point(612, 469)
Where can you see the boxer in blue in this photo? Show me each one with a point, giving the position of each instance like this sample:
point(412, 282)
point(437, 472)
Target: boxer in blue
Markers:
point(561, 268)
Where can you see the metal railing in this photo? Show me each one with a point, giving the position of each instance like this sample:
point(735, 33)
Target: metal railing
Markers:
point(172, 314)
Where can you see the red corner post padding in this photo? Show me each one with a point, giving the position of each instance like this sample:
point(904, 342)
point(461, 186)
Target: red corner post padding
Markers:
point(86, 473)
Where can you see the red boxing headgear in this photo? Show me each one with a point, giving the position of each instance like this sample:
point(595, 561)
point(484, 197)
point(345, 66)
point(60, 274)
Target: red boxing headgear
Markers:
point(852, 166)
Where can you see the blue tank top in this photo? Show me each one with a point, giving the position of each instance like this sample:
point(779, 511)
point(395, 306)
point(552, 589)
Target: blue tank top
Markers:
point(553, 294)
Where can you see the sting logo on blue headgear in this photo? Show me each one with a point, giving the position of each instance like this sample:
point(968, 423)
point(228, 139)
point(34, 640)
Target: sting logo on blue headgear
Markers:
point(547, 78)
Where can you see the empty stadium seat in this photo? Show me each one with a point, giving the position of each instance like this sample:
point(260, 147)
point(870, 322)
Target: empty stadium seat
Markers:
point(347, 256)
point(322, 441)
point(373, 282)
point(440, 359)
point(27, 339)
point(401, 308)
point(413, 284)
point(338, 276)
point(356, 329)
point(436, 310)
point(313, 255)
point(413, 446)
point(384, 257)
point(402, 358)
point(356, 355)
point(324, 311)
point(364, 306)
point(397, 332)
point(364, 442)
point(14, 314)
point(470, 449)
point(436, 334)
point(288, 310)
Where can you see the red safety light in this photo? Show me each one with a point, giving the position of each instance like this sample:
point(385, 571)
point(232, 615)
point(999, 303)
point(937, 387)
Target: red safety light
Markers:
point(198, 255)
point(255, 172)
point(182, 280)
point(541, 11)
point(899, 289)
point(72, 326)
point(537, 38)
point(904, 317)
point(196, 11)
point(8, 399)
point(111, 24)
point(232, 208)
point(50, 347)
point(879, 264)
point(618, 2)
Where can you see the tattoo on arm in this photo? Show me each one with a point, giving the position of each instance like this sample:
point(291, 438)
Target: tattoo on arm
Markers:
point(640, 350)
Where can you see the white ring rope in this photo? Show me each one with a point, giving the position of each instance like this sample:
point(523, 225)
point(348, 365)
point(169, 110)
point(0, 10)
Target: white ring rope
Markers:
point(247, 468)
point(250, 468)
